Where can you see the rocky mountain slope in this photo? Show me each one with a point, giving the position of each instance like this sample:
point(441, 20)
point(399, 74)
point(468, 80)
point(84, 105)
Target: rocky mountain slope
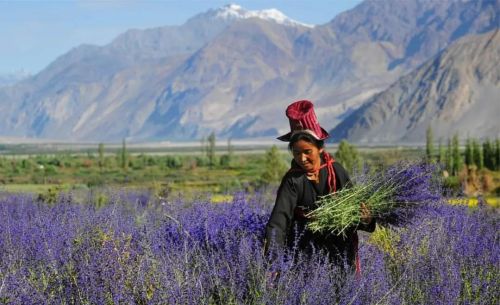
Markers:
point(234, 71)
point(457, 91)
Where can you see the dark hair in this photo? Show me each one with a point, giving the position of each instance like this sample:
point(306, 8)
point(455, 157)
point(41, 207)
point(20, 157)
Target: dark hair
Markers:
point(306, 137)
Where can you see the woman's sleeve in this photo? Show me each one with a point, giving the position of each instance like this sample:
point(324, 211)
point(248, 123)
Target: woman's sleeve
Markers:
point(282, 215)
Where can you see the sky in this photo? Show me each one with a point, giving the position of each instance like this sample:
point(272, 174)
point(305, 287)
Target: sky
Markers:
point(33, 33)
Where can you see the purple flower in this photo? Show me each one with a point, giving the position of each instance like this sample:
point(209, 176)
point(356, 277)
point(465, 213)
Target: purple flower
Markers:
point(133, 251)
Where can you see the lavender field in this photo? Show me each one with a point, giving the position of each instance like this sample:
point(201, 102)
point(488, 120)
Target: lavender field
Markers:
point(136, 249)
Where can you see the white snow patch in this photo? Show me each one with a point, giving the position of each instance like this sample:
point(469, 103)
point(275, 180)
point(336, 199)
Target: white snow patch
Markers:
point(234, 11)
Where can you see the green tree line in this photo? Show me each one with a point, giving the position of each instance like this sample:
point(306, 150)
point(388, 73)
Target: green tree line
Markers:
point(485, 154)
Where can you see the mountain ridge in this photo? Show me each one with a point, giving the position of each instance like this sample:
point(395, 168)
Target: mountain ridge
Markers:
point(458, 87)
point(234, 77)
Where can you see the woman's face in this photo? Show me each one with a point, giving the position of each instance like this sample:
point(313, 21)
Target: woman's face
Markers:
point(307, 155)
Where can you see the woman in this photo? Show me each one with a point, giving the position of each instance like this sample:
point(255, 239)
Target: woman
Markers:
point(313, 173)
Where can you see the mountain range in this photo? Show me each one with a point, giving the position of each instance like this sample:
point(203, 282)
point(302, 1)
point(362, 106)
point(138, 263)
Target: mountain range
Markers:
point(458, 87)
point(233, 72)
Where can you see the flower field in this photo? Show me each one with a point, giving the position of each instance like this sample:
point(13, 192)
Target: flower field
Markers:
point(139, 250)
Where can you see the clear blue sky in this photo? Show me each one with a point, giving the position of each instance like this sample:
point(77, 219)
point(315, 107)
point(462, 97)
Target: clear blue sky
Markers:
point(35, 32)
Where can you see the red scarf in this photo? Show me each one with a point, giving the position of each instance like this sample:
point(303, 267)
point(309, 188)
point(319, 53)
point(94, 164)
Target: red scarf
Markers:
point(331, 180)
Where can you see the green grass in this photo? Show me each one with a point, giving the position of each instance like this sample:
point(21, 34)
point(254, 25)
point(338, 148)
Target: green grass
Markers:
point(36, 169)
point(39, 188)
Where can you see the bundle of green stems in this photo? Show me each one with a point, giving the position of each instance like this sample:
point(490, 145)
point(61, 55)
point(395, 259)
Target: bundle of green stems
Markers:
point(339, 212)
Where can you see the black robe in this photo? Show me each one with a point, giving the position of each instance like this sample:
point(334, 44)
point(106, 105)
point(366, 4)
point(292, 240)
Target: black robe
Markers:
point(287, 227)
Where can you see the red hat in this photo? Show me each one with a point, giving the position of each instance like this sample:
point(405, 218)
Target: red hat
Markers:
point(302, 118)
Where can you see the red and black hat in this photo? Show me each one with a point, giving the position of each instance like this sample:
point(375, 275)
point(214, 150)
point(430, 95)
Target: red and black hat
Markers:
point(303, 119)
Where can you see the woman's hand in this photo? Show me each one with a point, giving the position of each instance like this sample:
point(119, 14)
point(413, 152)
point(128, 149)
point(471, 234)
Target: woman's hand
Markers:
point(366, 216)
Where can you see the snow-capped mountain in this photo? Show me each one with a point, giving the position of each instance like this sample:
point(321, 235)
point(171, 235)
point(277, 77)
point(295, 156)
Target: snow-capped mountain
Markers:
point(234, 11)
point(235, 75)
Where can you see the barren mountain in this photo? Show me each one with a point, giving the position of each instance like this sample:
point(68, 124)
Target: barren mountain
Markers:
point(234, 71)
point(456, 91)
point(216, 88)
point(364, 50)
